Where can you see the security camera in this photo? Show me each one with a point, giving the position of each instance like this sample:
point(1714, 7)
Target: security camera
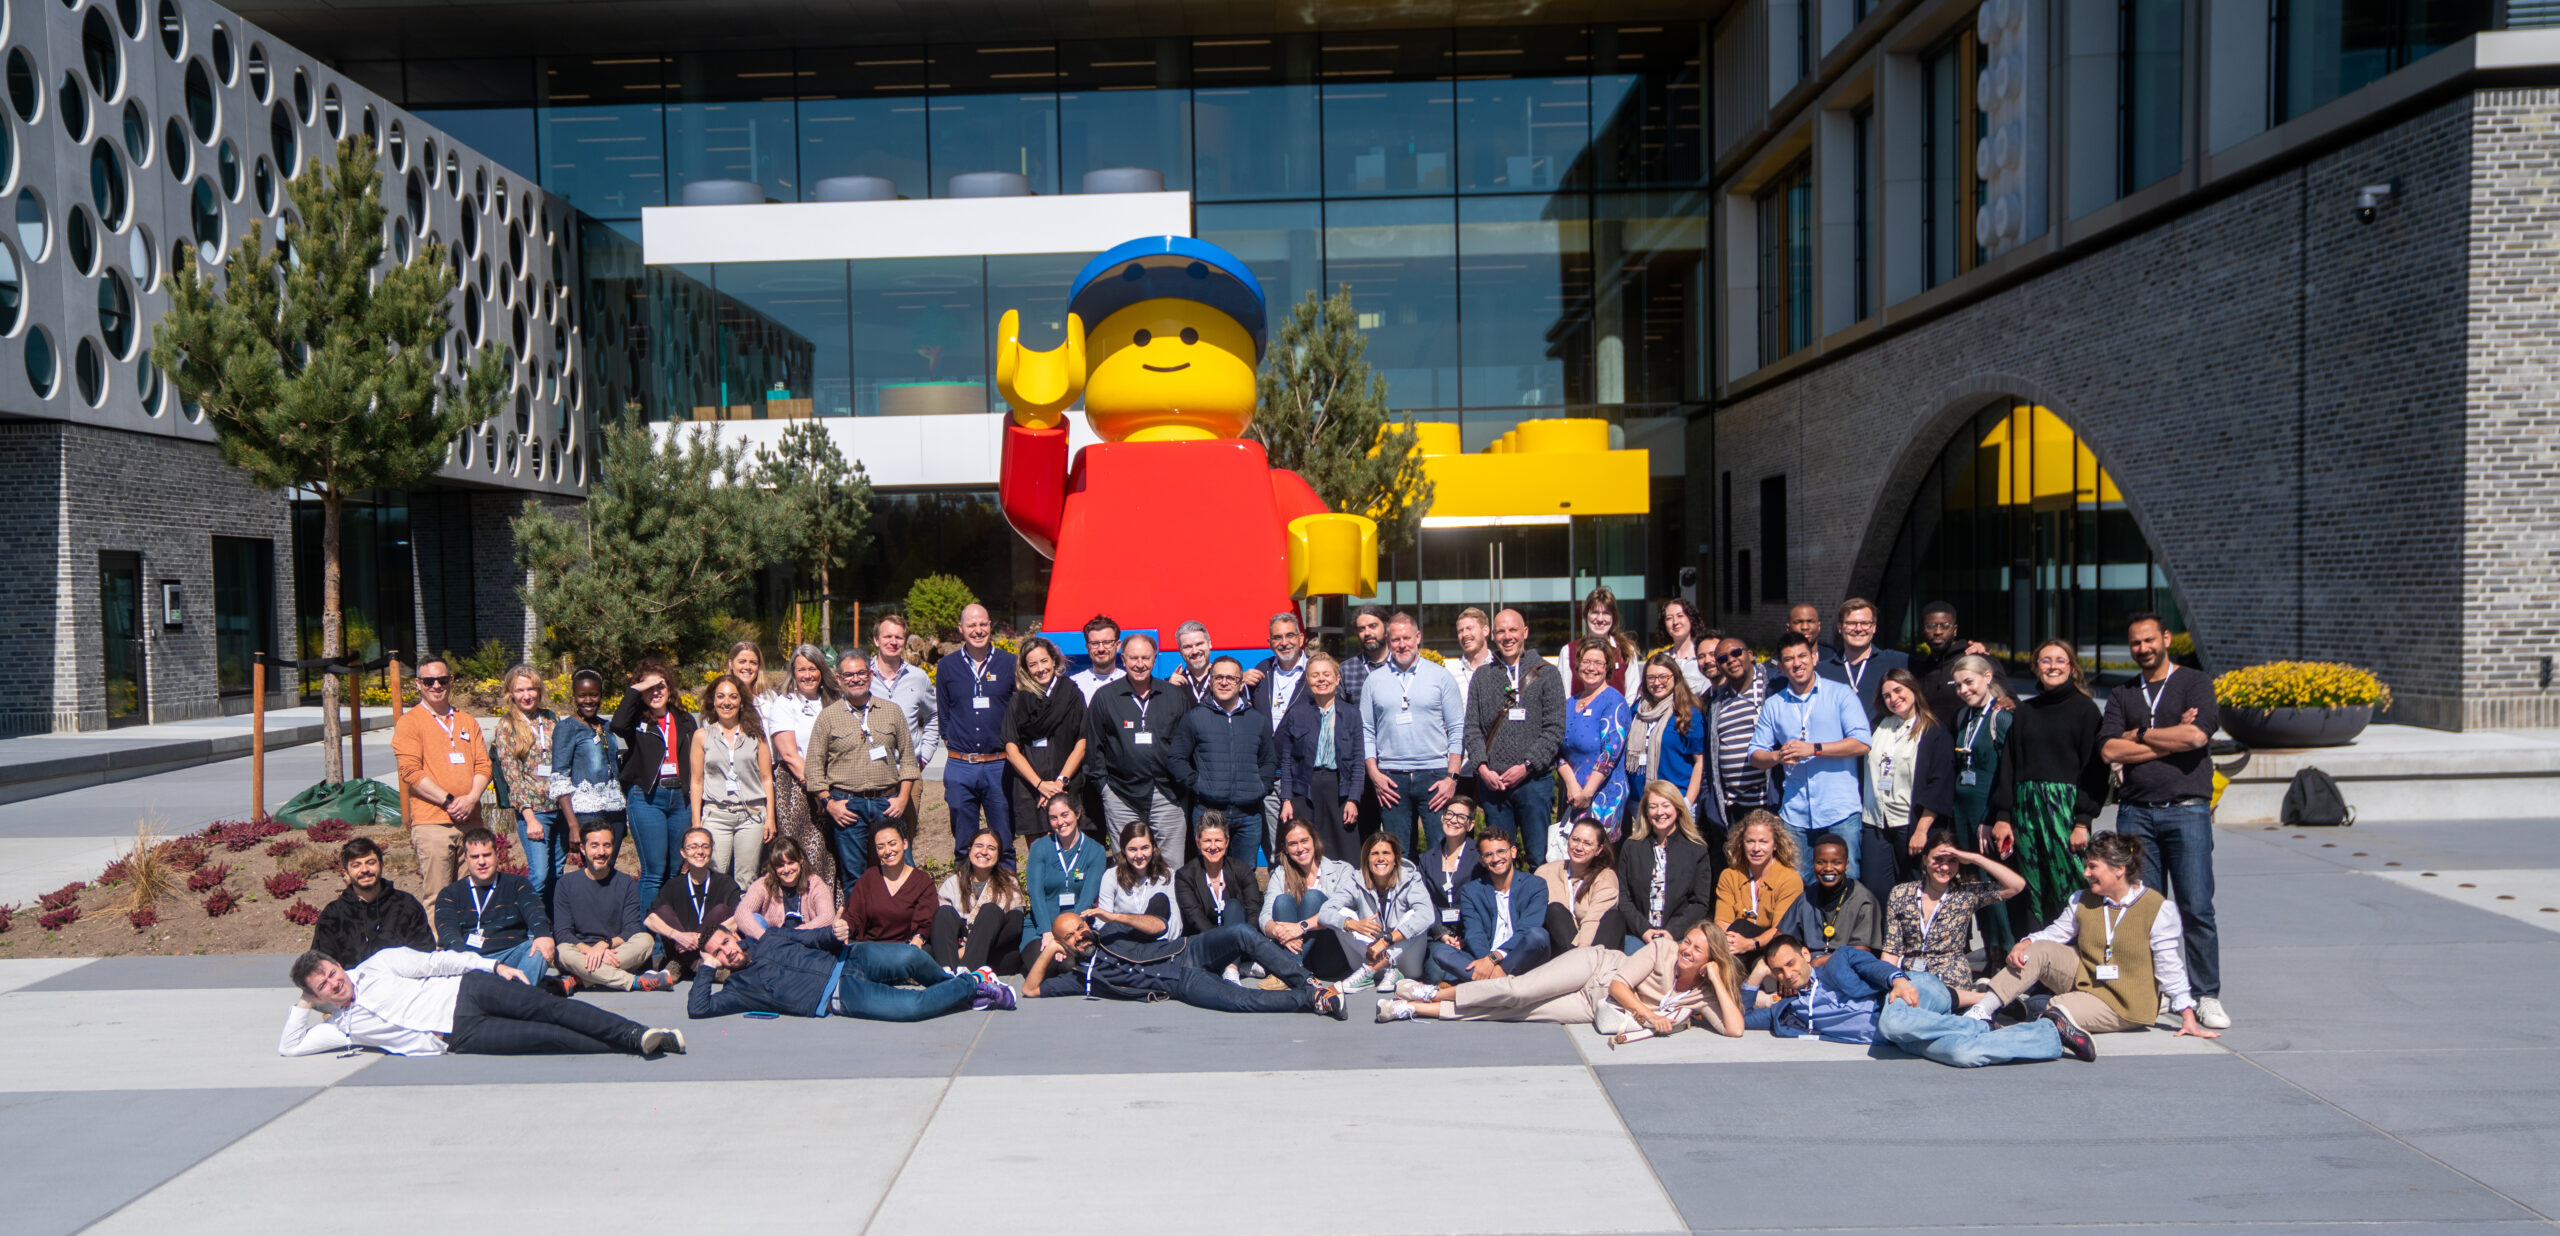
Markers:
point(2370, 198)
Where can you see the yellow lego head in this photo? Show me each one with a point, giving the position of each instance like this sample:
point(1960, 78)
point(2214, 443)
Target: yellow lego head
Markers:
point(1165, 369)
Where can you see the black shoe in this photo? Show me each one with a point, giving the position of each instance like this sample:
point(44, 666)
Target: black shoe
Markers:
point(2074, 1039)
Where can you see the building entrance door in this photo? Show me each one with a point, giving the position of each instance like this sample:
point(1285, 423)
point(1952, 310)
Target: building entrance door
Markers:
point(120, 635)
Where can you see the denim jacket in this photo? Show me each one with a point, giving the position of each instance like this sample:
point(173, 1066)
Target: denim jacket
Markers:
point(586, 767)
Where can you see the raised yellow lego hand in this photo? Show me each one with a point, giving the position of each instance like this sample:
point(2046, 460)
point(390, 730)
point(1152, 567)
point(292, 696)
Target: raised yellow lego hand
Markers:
point(1039, 386)
point(1333, 555)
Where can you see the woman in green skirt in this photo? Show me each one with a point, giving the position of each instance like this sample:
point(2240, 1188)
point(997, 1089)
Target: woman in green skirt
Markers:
point(2054, 782)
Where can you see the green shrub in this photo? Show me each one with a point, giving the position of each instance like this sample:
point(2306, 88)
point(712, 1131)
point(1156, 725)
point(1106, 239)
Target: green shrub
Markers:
point(491, 660)
point(934, 604)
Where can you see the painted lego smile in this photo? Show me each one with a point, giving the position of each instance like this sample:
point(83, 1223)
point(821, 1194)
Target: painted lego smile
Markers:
point(1166, 368)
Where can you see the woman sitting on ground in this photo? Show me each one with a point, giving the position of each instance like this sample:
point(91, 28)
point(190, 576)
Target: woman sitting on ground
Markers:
point(696, 900)
point(789, 894)
point(1302, 884)
point(1663, 988)
point(1137, 901)
point(1928, 922)
point(1582, 888)
point(891, 902)
point(978, 925)
point(1753, 894)
point(1382, 914)
point(1216, 888)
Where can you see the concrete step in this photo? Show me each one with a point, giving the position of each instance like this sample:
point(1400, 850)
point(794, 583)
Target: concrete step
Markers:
point(41, 764)
point(2402, 772)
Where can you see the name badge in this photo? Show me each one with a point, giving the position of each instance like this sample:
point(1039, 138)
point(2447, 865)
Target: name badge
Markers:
point(2109, 974)
point(1965, 777)
point(1039, 742)
point(454, 757)
point(473, 940)
point(1146, 738)
point(879, 753)
point(1066, 901)
point(977, 701)
point(666, 768)
point(1404, 718)
point(1519, 714)
point(729, 786)
point(1448, 914)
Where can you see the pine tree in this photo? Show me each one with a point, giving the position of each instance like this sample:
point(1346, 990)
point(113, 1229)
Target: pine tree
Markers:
point(829, 503)
point(1321, 411)
point(318, 365)
point(670, 533)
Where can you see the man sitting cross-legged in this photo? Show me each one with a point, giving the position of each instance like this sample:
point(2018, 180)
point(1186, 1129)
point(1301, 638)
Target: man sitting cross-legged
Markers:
point(1073, 963)
point(411, 1003)
point(818, 973)
point(596, 912)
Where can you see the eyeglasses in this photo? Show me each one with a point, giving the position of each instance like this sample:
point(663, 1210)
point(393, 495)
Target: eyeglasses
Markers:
point(435, 680)
point(1738, 654)
point(1857, 626)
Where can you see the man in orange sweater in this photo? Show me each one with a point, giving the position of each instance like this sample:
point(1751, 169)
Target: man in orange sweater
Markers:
point(444, 764)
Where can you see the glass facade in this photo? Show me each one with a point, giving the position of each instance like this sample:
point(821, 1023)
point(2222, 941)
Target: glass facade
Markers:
point(2325, 48)
point(2018, 527)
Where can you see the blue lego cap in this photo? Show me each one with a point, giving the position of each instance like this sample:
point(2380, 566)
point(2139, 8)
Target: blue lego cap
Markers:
point(1173, 268)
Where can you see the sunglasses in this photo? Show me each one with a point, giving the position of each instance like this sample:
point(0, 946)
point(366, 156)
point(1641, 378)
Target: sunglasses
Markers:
point(434, 680)
point(1738, 654)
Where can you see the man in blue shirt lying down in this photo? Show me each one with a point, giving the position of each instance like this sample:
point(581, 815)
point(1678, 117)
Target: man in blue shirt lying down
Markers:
point(1857, 997)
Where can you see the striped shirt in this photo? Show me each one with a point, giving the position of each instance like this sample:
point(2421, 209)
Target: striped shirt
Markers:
point(1737, 715)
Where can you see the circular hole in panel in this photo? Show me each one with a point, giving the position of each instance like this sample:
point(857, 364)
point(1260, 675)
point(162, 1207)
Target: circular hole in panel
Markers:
point(13, 292)
point(147, 387)
point(42, 368)
point(284, 137)
point(137, 133)
point(224, 66)
point(89, 372)
point(173, 139)
point(101, 55)
point(129, 12)
point(35, 235)
point(204, 112)
point(261, 87)
point(107, 187)
point(144, 257)
point(173, 29)
point(25, 96)
point(115, 315)
point(73, 99)
point(302, 96)
point(264, 178)
point(226, 164)
point(80, 238)
point(204, 213)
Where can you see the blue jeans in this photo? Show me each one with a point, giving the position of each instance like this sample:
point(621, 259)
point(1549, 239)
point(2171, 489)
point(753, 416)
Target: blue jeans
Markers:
point(1846, 830)
point(523, 958)
point(1208, 955)
point(1522, 812)
point(973, 791)
point(2177, 843)
point(853, 841)
point(870, 987)
point(659, 819)
point(542, 855)
point(1933, 1031)
point(1289, 907)
point(1244, 830)
point(1413, 803)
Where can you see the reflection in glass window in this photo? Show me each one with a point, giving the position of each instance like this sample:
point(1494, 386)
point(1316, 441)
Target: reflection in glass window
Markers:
point(604, 145)
point(1400, 260)
point(783, 338)
point(683, 317)
point(994, 109)
point(1281, 242)
point(1649, 252)
point(919, 331)
point(1254, 111)
point(2017, 524)
point(1524, 111)
point(1647, 105)
point(862, 113)
point(1034, 285)
point(733, 121)
point(1524, 308)
point(2326, 48)
point(1122, 105)
point(1383, 135)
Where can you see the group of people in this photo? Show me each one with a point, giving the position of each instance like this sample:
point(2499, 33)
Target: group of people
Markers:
point(1483, 837)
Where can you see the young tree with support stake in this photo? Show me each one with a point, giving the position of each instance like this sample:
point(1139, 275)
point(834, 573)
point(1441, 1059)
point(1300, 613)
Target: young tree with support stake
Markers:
point(830, 504)
point(315, 362)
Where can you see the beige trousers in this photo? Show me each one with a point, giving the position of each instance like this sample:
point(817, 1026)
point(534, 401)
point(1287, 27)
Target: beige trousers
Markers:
point(2056, 967)
point(620, 972)
point(439, 849)
point(1560, 991)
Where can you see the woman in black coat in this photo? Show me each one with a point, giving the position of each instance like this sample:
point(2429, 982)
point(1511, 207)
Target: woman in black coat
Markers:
point(1316, 792)
point(1661, 836)
point(1043, 732)
point(1216, 887)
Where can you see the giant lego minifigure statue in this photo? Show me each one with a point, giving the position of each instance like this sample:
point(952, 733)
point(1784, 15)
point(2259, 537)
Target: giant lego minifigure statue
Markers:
point(1173, 516)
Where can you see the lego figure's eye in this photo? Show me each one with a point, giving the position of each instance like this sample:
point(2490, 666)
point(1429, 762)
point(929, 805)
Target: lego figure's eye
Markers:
point(1189, 335)
point(1143, 336)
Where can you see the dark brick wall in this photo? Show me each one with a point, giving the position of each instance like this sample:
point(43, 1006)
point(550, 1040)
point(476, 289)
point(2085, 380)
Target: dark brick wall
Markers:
point(2279, 391)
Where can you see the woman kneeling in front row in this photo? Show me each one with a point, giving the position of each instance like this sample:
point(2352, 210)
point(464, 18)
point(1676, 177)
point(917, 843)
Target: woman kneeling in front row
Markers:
point(1663, 988)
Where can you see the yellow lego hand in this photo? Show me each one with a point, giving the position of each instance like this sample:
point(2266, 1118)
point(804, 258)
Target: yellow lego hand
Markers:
point(1333, 555)
point(1039, 386)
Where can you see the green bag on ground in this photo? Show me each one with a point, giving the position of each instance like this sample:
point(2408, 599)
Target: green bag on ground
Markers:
point(362, 803)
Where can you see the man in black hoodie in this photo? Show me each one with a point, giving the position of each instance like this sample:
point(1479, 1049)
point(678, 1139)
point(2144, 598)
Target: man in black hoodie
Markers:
point(371, 915)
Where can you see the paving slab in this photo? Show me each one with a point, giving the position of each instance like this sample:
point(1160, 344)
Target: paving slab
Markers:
point(18, 972)
point(679, 1157)
point(76, 1156)
point(2392, 997)
point(2492, 1115)
point(1760, 1047)
point(1319, 1152)
point(1076, 1035)
point(2529, 895)
point(2371, 845)
point(2197, 1141)
point(2350, 908)
point(154, 1040)
point(264, 971)
point(723, 1049)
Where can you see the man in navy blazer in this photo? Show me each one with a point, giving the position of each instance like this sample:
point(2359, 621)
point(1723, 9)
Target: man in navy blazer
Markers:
point(1858, 997)
point(1502, 916)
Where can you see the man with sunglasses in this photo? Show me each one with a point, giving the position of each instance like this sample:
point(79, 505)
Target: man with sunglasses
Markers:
point(1733, 711)
point(444, 764)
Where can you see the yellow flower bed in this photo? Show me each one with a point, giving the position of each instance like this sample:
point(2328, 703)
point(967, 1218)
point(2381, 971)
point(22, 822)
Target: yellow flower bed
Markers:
point(2300, 684)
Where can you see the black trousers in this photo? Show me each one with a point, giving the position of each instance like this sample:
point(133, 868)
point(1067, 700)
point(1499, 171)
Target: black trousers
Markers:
point(497, 1017)
point(1560, 929)
point(994, 939)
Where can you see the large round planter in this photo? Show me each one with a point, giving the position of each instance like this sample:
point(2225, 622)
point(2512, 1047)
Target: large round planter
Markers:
point(2265, 728)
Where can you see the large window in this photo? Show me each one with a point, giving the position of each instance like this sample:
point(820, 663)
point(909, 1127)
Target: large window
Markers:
point(1786, 263)
point(1389, 123)
point(1862, 154)
point(603, 130)
point(733, 120)
point(1524, 108)
point(862, 113)
point(2018, 527)
point(2325, 48)
point(1122, 105)
point(994, 109)
point(244, 609)
point(1399, 259)
point(1951, 123)
point(2148, 90)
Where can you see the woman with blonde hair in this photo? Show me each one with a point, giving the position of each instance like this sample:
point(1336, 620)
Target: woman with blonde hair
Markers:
point(789, 715)
point(523, 752)
point(1663, 988)
point(1666, 872)
point(1759, 883)
point(732, 767)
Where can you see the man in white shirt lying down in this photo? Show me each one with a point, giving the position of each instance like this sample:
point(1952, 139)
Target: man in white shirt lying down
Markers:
point(411, 1003)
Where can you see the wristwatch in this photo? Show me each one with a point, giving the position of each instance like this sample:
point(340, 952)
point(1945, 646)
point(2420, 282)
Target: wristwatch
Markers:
point(1817, 748)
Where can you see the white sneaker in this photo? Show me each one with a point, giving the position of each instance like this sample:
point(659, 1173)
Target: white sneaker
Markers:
point(1233, 977)
point(1394, 1010)
point(1362, 979)
point(1391, 980)
point(2210, 1015)
point(1407, 989)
